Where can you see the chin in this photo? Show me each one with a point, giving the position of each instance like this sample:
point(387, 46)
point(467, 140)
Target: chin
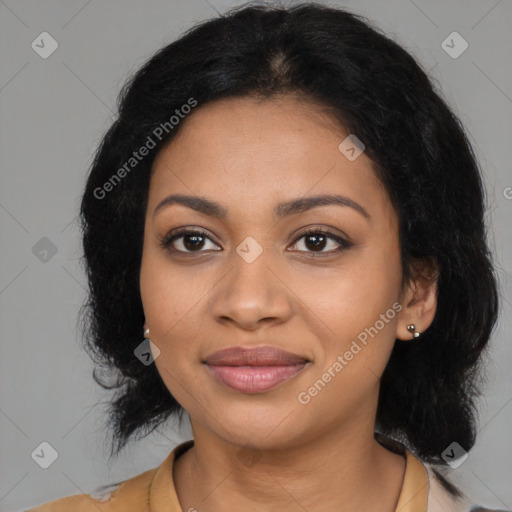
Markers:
point(261, 425)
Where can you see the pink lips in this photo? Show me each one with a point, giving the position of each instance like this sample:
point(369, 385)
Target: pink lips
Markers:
point(254, 370)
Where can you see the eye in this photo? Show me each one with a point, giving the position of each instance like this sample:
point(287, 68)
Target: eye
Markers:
point(194, 241)
point(185, 241)
point(315, 240)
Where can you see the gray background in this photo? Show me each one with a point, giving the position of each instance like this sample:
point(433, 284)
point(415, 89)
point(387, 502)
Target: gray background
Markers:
point(53, 114)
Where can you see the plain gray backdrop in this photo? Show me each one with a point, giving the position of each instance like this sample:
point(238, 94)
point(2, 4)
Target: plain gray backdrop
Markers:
point(54, 111)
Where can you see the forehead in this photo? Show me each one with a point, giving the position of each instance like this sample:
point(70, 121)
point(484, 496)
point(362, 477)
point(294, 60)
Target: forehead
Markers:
point(258, 151)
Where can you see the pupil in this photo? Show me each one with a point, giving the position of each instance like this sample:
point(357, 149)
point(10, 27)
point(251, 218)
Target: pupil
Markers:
point(193, 246)
point(192, 242)
point(318, 243)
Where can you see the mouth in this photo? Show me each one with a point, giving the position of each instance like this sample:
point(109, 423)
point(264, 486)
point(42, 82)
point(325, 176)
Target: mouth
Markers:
point(254, 370)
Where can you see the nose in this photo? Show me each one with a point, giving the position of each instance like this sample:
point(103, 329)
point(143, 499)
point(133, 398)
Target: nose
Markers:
point(252, 295)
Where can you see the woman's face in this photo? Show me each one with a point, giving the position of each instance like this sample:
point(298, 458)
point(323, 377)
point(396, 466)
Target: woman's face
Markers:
point(255, 279)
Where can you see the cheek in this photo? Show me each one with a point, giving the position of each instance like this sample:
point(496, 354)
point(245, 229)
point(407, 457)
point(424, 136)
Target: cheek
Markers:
point(163, 295)
point(359, 303)
point(172, 300)
point(168, 301)
point(359, 291)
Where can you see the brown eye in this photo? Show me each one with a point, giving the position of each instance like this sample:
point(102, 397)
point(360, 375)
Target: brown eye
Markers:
point(316, 240)
point(186, 241)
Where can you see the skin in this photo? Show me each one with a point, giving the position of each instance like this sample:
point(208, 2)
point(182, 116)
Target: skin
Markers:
point(248, 155)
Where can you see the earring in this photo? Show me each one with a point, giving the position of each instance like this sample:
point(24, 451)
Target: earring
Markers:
point(412, 329)
point(146, 334)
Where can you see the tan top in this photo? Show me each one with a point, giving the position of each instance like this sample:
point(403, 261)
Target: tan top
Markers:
point(154, 491)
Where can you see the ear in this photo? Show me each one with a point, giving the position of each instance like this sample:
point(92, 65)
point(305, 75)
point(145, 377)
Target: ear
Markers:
point(418, 299)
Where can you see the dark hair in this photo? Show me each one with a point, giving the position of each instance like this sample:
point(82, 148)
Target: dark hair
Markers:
point(377, 91)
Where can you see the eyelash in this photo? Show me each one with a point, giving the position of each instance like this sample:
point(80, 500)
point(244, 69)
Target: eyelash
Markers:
point(168, 239)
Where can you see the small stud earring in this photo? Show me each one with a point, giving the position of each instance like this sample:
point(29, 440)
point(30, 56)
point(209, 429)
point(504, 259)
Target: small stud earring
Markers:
point(412, 329)
point(146, 333)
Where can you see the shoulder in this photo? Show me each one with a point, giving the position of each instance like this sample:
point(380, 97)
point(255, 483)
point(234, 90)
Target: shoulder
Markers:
point(127, 496)
point(141, 493)
point(444, 496)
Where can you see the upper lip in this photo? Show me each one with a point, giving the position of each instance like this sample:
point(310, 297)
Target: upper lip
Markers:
point(253, 356)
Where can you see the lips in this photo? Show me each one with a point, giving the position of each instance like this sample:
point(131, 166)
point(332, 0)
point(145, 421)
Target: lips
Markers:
point(258, 356)
point(254, 370)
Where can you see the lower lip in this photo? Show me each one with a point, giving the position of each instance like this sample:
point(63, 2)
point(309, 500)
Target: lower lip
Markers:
point(255, 379)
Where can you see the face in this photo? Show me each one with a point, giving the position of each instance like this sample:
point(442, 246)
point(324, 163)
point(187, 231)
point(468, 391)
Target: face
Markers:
point(263, 275)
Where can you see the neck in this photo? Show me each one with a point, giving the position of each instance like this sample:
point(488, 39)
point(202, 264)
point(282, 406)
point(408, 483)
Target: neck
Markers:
point(341, 470)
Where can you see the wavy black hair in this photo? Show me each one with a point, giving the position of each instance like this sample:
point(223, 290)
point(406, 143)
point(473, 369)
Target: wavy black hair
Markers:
point(375, 89)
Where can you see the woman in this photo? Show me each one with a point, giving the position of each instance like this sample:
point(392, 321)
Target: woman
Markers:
point(294, 218)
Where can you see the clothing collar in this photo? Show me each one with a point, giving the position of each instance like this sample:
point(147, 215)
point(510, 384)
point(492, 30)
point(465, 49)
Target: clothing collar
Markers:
point(413, 495)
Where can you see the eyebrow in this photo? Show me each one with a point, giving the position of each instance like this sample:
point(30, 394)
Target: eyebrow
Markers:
point(291, 207)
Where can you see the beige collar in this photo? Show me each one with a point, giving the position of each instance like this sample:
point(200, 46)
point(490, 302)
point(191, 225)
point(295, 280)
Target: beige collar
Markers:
point(413, 496)
point(415, 487)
